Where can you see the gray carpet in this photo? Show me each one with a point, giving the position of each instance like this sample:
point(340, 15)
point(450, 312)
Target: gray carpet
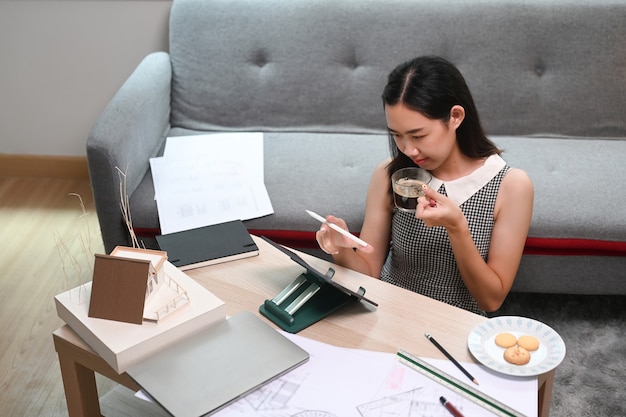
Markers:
point(591, 380)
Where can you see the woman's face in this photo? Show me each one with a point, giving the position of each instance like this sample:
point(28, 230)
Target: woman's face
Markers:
point(428, 142)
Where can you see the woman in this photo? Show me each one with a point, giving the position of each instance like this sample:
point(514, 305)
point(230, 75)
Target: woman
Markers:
point(464, 243)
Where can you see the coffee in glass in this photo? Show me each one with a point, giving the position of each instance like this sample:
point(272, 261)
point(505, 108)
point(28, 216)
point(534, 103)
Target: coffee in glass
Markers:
point(407, 187)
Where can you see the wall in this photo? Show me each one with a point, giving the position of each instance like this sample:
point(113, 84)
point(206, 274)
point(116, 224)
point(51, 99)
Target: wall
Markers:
point(61, 62)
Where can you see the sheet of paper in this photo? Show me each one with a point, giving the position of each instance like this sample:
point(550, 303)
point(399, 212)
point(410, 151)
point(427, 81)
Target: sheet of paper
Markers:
point(244, 150)
point(209, 179)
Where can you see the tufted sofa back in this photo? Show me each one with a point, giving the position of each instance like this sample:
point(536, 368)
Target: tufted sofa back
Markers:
point(534, 67)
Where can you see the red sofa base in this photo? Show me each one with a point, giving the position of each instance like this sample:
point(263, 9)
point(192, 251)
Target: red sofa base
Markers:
point(534, 245)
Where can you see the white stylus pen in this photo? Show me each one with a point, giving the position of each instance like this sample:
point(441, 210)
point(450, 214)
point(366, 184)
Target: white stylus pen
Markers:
point(337, 228)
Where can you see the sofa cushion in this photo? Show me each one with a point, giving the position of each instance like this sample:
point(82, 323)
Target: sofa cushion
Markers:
point(575, 189)
point(576, 211)
point(533, 66)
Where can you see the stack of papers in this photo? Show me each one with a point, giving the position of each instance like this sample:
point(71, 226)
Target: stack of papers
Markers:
point(208, 179)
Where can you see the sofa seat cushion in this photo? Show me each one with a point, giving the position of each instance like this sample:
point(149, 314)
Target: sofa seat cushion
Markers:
point(574, 180)
point(576, 211)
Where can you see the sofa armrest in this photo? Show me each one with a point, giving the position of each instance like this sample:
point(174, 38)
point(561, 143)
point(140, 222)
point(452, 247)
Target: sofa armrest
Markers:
point(130, 130)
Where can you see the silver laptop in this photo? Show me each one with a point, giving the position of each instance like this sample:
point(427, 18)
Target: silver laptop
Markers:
point(205, 372)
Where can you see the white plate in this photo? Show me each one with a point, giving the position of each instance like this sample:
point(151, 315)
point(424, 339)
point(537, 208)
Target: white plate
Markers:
point(481, 342)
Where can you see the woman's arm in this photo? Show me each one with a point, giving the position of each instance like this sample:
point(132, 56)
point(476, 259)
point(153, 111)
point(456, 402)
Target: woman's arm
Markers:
point(375, 231)
point(488, 282)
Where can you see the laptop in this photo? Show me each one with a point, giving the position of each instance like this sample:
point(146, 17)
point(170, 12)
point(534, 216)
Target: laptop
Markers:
point(205, 372)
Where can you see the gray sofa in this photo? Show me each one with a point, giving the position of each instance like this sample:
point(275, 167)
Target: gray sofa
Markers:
point(548, 77)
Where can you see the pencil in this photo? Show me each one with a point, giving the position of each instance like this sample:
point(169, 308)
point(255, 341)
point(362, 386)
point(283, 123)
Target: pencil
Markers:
point(454, 361)
point(452, 409)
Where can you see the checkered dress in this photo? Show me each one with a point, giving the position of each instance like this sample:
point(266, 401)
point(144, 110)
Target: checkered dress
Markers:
point(421, 258)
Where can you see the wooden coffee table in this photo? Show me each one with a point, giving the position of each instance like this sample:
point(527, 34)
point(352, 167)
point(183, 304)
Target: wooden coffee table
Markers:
point(399, 322)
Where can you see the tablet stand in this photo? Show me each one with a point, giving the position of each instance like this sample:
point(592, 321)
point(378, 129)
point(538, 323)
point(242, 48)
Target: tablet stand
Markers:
point(309, 298)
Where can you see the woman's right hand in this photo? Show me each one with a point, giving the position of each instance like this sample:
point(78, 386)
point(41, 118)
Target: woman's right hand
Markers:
point(329, 240)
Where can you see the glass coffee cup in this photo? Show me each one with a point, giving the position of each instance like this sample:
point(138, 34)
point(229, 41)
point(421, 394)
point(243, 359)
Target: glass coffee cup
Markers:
point(407, 187)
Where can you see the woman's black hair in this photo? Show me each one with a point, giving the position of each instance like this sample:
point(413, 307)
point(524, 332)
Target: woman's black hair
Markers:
point(432, 85)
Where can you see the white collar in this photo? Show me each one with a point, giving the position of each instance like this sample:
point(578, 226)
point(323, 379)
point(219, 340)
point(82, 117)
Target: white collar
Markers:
point(461, 189)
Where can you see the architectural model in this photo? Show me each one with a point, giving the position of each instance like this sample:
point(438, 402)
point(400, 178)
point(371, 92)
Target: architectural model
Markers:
point(130, 285)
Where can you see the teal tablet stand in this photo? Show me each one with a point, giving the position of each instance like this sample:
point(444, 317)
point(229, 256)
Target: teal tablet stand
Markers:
point(309, 298)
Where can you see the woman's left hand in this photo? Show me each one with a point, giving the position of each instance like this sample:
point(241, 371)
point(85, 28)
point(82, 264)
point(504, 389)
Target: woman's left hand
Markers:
point(438, 210)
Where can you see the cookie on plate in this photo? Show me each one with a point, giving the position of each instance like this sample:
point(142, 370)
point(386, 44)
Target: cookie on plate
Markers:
point(517, 355)
point(530, 343)
point(505, 340)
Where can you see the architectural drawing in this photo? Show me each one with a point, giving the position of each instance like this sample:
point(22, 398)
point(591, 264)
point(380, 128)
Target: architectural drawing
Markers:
point(279, 398)
point(418, 402)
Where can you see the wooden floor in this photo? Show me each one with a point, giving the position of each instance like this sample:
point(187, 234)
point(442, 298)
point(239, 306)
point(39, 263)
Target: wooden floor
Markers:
point(35, 215)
